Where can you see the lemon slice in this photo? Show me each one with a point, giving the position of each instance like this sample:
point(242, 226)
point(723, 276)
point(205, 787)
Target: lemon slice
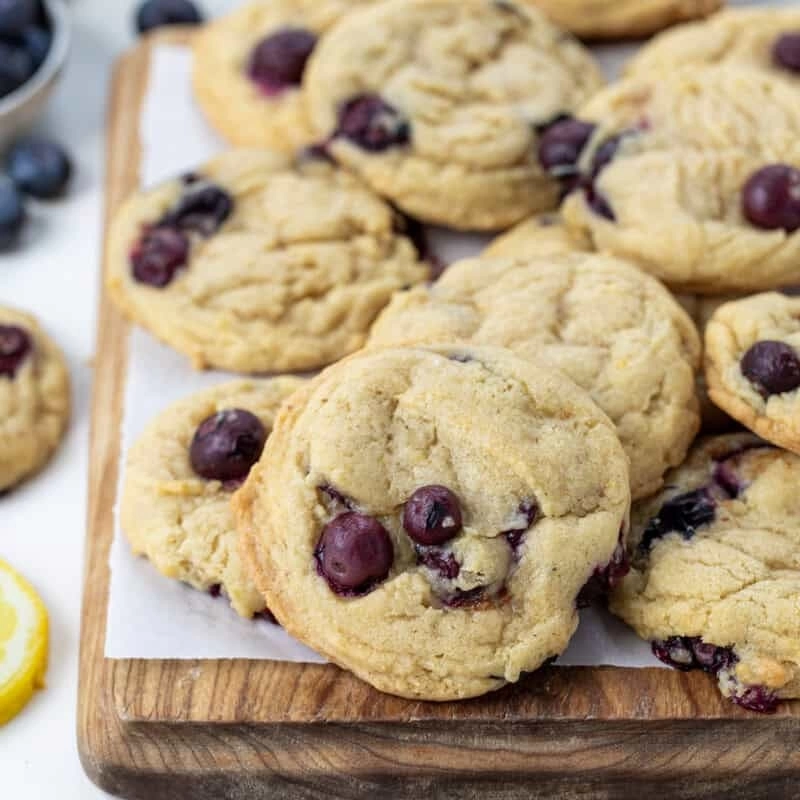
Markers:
point(23, 642)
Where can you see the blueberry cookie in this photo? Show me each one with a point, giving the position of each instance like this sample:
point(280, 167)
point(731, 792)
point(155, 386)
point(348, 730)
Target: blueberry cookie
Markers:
point(439, 106)
point(248, 69)
point(752, 365)
point(612, 329)
point(259, 264)
point(540, 236)
point(715, 582)
point(180, 476)
point(34, 397)
point(764, 38)
point(620, 19)
point(428, 517)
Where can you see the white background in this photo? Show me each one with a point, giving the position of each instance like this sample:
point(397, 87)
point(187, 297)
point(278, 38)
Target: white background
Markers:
point(56, 275)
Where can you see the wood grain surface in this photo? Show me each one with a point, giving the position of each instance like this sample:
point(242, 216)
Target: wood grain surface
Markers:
point(208, 730)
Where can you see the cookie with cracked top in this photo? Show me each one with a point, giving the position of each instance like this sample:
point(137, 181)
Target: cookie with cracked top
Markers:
point(429, 517)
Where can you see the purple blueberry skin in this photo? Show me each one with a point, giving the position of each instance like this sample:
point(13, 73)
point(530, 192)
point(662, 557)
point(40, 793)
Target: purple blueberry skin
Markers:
point(786, 51)
point(516, 538)
point(12, 214)
point(436, 559)
point(40, 168)
point(15, 346)
point(278, 61)
point(354, 554)
point(772, 367)
point(158, 13)
point(432, 515)
point(771, 198)
point(372, 124)
point(683, 514)
point(606, 579)
point(202, 209)
point(227, 444)
point(158, 256)
point(561, 145)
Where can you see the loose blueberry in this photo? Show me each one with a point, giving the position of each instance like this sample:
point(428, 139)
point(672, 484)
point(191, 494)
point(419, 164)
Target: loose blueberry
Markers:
point(772, 367)
point(278, 61)
point(15, 345)
point(372, 124)
point(202, 209)
point(12, 213)
point(39, 168)
point(561, 145)
point(157, 13)
point(15, 15)
point(158, 256)
point(16, 66)
point(771, 198)
point(37, 42)
point(786, 51)
point(434, 558)
point(354, 553)
point(683, 514)
point(227, 444)
point(432, 515)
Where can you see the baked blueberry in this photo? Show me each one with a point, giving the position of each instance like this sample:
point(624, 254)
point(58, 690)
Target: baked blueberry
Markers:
point(786, 51)
point(372, 124)
point(771, 198)
point(278, 61)
point(15, 345)
point(16, 66)
point(529, 510)
point(606, 578)
point(39, 168)
point(227, 444)
point(772, 367)
point(12, 213)
point(683, 514)
point(438, 560)
point(432, 515)
point(202, 209)
point(157, 13)
point(158, 256)
point(691, 652)
point(561, 145)
point(16, 15)
point(354, 553)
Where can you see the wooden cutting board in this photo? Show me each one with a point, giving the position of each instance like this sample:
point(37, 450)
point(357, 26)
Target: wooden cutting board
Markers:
point(208, 730)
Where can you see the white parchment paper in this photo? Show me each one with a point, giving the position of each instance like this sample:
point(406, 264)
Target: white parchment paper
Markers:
point(152, 617)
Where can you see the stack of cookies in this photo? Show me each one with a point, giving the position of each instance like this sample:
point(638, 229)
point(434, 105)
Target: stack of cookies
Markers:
point(432, 508)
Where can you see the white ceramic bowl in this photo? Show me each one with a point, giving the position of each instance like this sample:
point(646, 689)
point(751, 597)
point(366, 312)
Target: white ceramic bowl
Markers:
point(19, 109)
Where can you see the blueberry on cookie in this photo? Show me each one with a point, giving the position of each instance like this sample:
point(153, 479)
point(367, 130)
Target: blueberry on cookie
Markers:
point(179, 478)
point(715, 578)
point(752, 364)
point(448, 109)
point(258, 263)
point(428, 518)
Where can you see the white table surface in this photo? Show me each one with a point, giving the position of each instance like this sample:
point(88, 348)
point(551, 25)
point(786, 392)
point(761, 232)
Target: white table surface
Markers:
point(42, 525)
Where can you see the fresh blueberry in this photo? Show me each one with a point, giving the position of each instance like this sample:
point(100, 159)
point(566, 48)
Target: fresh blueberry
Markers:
point(771, 198)
point(39, 168)
point(683, 514)
point(15, 345)
point(227, 444)
point(354, 553)
point(786, 51)
point(12, 213)
point(372, 124)
point(278, 61)
point(202, 209)
point(16, 66)
point(432, 515)
point(561, 145)
point(157, 13)
point(15, 15)
point(158, 256)
point(37, 42)
point(772, 367)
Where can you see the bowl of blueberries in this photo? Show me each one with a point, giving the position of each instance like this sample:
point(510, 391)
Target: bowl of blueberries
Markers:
point(34, 42)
